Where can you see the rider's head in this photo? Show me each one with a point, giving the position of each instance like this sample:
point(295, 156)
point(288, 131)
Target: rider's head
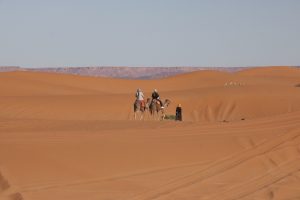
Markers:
point(138, 90)
point(155, 90)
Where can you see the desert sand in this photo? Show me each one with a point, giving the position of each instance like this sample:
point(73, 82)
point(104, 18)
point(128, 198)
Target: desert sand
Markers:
point(71, 137)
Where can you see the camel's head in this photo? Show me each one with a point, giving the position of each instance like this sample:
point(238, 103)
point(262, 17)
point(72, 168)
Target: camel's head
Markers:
point(167, 102)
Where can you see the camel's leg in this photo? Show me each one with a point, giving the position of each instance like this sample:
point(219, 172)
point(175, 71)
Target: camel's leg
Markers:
point(142, 113)
point(145, 114)
point(154, 115)
point(158, 112)
point(157, 116)
point(142, 116)
point(163, 115)
point(134, 115)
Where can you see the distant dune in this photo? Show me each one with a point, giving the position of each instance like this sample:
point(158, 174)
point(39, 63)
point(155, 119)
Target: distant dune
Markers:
point(206, 95)
point(65, 136)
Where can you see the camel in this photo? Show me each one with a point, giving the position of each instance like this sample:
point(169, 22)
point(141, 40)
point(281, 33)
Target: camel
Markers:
point(138, 108)
point(155, 108)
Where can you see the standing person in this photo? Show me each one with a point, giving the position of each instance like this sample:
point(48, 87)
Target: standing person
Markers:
point(140, 97)
point(178, 113)
point(155, 95)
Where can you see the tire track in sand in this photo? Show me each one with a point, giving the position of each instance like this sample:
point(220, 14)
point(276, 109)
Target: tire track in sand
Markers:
point(254, 185)
point(217, 167)
point(258, 183)
point(48, 186)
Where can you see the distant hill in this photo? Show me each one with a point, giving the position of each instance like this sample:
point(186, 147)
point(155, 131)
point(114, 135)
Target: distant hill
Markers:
point(9, 68)
point(122, 72)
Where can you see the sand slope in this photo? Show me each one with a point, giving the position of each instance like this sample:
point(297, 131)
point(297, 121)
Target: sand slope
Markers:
point(70, 137)
point(205, 95)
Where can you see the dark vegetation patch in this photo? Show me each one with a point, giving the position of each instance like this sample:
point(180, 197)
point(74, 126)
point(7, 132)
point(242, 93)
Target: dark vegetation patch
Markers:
point(170, 117)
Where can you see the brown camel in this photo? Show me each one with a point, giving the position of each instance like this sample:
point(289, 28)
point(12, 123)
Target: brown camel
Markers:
point(138, 108)
point(155, 108)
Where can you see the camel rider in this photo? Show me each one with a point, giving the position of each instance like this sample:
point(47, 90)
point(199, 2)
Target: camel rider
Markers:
point(155, 95)
point(140, 97)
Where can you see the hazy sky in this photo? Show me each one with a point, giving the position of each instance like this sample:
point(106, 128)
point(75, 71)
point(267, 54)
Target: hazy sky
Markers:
point(50, 33)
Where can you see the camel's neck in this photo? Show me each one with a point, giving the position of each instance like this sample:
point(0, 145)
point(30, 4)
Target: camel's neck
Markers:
point(166, 103)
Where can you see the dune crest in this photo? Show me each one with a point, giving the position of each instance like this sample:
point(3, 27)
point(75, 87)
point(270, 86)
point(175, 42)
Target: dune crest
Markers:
point(211, 96)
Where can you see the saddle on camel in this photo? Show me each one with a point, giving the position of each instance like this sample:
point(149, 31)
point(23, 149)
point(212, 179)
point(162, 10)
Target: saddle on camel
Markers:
point(156, 99)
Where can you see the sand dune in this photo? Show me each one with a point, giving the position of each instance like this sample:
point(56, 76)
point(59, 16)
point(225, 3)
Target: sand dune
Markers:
point(205, 95)
point(71, 137)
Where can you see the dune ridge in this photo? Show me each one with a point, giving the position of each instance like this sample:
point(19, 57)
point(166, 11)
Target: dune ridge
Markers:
point(204, 95)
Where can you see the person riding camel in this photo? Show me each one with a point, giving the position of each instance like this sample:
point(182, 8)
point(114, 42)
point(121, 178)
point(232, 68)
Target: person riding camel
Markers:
point(155, 96)
point(140, 97)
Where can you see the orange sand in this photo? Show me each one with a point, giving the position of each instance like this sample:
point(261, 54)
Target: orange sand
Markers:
point(71, 137)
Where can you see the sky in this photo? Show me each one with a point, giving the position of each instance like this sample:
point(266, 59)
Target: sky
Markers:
point(225, 33)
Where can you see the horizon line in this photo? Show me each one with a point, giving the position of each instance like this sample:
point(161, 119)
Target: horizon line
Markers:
point(128, 66)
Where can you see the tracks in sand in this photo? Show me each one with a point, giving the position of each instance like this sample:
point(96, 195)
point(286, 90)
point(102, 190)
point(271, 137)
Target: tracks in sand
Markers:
point(229, 163)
